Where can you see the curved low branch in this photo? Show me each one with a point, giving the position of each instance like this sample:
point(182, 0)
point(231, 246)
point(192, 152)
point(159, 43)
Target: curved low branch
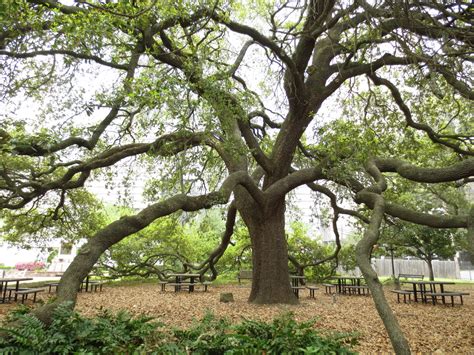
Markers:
point(125, 226)
point(146, 267)
point(395, 210)
point(165, 145)
point(457, 171)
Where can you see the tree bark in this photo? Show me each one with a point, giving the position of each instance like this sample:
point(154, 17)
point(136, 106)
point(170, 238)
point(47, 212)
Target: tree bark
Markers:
point(397, 338)
point(271, 280)
point(470, 233)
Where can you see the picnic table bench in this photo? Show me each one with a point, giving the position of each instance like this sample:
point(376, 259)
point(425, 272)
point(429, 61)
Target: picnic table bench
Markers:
point(12, 290)
point(434, 296)
point(405, 293)
point(96, 285)
point(297, 284)
point(51, 285)
point(296, 290)
point(311, 290)
point(182, 285)
point(187, 285)
point(329, 287)
point(27, 291)
point(245, 275)
point(91, 285)
point(355, 289)
point(4, 287)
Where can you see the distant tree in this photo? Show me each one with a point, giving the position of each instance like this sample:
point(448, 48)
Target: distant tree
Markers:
point(425, 243)
point(308, 256)
point(176, 243)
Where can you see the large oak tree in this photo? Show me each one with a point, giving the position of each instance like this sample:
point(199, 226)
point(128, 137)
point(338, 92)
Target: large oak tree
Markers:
point(237, 100)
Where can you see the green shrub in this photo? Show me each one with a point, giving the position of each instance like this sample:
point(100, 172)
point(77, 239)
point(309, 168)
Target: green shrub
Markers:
point(283, 336)
point(71, 333)
point(122, 334)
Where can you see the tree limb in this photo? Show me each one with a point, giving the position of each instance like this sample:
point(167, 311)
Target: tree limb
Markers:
point(408, 117)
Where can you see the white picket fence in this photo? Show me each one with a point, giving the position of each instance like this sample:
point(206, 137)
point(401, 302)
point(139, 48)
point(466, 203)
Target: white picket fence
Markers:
point(441, 268)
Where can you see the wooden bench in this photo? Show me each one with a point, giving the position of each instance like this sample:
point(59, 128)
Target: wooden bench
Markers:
point(311, 290)
point(96, 285)
point(51, 285)
point(245, 275)
point(355, 290)
point(13, 290)
point(411, 276)
point(404, 293)
point(25, 292)
point(329, 288)
point(434, 296)
point(91, 286)
point(163, 285)
point(179, 285)
point(296, 290)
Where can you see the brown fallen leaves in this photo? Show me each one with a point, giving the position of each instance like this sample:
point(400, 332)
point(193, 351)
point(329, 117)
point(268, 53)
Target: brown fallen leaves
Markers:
point(440, 329)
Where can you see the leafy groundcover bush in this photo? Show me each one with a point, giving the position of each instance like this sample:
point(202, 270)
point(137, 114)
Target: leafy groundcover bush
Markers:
point(71, 333)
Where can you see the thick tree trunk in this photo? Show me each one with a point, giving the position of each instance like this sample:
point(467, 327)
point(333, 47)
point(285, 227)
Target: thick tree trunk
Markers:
point(271, 281)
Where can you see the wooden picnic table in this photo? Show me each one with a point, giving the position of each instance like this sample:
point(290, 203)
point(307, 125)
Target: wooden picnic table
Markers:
point(86, 281)
point(347, 280)
point(179, 278)
point(296, 280)
point(296, 284)
point(419, 287)
point(91, 284)
point(4, 285)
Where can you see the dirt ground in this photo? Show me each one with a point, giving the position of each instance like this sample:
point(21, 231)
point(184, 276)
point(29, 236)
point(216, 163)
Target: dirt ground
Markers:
point(429, 329)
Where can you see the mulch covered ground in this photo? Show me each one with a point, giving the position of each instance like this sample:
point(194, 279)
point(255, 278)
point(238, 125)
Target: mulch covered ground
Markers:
point(439, 329)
